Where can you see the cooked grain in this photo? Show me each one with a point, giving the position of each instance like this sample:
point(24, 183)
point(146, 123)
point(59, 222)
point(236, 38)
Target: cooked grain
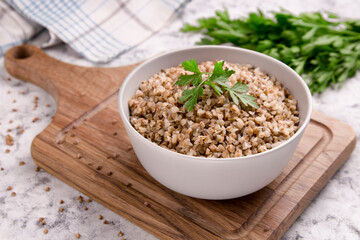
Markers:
point(216, 127)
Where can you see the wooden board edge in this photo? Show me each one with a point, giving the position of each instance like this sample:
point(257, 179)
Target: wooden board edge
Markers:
point(316, 188)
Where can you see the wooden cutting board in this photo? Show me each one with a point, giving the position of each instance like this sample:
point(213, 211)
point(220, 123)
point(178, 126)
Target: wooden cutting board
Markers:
point(86, 146)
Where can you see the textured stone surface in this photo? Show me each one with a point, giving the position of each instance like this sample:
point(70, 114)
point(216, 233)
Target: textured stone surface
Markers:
point(334, 214)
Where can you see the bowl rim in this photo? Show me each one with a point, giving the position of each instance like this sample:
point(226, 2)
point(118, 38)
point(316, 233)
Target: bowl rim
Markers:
point(242, 158)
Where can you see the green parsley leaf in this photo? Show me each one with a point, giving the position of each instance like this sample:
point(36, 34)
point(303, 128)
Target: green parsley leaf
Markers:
point(219, 74)
point(186, 94)
point(221, 82)
point(216, 88)
point(191, 66)
point(240, 87)
point(195, 79)
point(189, 104)
point(217, 80)
point(248, 100)
point(218, 70)
point(187, 28)
point(234, 98)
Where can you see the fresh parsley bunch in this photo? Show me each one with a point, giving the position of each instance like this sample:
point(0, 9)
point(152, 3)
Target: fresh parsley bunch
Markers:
point(217, 80)
point(325, 49)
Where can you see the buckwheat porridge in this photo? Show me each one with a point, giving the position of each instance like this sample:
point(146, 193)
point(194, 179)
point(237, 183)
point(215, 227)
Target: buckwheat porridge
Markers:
point(216, 127)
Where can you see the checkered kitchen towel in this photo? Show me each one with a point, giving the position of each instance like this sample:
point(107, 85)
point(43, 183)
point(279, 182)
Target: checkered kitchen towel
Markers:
point(14, 29)
point(97, 29)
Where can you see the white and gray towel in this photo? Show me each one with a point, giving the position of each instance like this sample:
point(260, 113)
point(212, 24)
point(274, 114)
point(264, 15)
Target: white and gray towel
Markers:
point(99, 30)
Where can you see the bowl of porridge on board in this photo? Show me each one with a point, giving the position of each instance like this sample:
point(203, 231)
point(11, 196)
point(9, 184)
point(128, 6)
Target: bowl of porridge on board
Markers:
point(228, 139)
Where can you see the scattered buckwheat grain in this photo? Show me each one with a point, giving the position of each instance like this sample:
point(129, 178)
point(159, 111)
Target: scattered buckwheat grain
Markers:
point(9, 140)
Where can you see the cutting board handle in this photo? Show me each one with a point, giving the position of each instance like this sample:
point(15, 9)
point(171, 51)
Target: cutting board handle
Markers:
point(31, 64)
point(75, 88)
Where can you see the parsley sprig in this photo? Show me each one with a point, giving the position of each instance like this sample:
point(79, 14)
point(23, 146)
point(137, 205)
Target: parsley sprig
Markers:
point(322, 47)
point(217, 80)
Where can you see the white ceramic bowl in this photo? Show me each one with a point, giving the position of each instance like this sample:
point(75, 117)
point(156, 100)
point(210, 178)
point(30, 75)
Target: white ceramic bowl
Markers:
point(212, 178)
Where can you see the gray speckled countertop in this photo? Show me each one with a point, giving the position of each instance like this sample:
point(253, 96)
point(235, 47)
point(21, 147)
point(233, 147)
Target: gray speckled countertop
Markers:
point(334, 214)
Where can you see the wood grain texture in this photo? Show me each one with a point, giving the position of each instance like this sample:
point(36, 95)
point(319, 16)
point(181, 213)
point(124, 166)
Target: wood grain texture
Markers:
point(86, 146)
